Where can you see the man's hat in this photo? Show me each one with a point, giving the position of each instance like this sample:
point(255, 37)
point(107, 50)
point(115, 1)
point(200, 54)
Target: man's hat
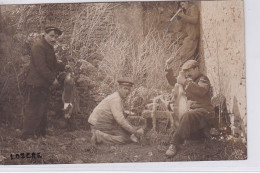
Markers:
point(125, 81)
point(52, 28)
point(190, 64)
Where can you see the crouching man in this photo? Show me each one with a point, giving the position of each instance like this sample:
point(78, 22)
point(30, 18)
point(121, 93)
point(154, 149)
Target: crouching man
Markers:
point(197, 119)
point(108, 124)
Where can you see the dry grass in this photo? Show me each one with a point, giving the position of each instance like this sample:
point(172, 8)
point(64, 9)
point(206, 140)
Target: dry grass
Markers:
point(91, 33)
point(142, 60)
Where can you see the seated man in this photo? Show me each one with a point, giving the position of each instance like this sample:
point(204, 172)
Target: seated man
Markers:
point(108, 124)
point(200, 111)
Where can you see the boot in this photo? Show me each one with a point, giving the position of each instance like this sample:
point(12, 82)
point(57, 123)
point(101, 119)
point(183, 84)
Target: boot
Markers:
point(172, 150)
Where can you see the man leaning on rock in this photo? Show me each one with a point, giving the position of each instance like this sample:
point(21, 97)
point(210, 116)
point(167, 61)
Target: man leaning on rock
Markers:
point(200, 112)
point(189, 17)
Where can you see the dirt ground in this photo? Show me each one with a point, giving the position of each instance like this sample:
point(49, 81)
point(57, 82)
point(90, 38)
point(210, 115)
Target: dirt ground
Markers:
point(66, 147)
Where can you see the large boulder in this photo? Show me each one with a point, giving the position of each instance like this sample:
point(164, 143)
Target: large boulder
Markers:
point(86, 67)
point(85, 81)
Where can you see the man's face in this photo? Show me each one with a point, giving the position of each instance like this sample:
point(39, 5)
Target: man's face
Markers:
point(124, 91)
point(51, 37)
point(184, 5)
point(192, 73)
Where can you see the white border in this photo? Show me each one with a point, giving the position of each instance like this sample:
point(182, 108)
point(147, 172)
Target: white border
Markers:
point(252, 22)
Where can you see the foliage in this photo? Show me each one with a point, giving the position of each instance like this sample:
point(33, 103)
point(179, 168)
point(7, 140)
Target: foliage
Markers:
point(12, 91)
point(97, 47)
point(141, 60)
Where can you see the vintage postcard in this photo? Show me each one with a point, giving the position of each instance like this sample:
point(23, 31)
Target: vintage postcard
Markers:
point(117, 82)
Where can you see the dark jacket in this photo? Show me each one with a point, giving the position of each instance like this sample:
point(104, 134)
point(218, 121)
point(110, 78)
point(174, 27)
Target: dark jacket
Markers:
point(43, 65)
point(199, 93)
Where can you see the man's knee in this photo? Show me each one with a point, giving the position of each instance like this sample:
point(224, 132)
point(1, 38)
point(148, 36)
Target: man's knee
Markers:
point(101, 137)
point(186, 116)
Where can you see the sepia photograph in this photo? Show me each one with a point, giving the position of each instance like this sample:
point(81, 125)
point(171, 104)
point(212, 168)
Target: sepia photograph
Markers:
point(120, 82)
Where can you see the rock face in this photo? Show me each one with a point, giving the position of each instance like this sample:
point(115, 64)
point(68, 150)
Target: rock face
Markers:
point(223, 53)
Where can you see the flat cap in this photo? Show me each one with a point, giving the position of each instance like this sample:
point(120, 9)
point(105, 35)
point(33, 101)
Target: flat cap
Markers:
point(190, 64)
point(125, 81)
point(52, 28)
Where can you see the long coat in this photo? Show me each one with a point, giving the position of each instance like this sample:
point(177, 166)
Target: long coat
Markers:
point(44, 65)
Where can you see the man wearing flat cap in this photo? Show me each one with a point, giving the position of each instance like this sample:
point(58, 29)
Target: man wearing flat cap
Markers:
point(108, 124)
point(197, 119)
point(42, 74)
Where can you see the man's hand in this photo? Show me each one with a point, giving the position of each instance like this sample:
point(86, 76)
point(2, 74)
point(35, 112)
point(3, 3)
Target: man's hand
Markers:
point(139, 132)
point(181, 14)
point(176, 13)
point(181, 79)
point(55, 83)
point(128, 113)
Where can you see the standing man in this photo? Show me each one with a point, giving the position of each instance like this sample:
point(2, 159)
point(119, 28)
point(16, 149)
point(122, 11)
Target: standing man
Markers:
point(200, 111)
point(108, 124)
point(190, 29)
point(42, 74)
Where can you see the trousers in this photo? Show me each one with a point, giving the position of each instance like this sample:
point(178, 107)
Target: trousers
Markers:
point(192, 124)
point(35, 120)
point(110, 135)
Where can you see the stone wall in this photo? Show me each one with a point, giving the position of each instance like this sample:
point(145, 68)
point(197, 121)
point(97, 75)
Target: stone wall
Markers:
point(139, 18)
point(223, 53)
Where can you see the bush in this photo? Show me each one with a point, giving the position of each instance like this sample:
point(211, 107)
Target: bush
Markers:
point(91, 35)
point(142, 60)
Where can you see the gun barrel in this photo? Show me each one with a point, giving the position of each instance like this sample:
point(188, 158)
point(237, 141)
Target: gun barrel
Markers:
point(175, 14)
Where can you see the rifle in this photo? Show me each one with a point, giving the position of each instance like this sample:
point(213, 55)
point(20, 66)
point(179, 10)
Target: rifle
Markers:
point(176, 14)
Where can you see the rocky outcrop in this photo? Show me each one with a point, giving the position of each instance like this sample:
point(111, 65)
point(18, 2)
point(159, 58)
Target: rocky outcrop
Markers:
point(222, 52)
